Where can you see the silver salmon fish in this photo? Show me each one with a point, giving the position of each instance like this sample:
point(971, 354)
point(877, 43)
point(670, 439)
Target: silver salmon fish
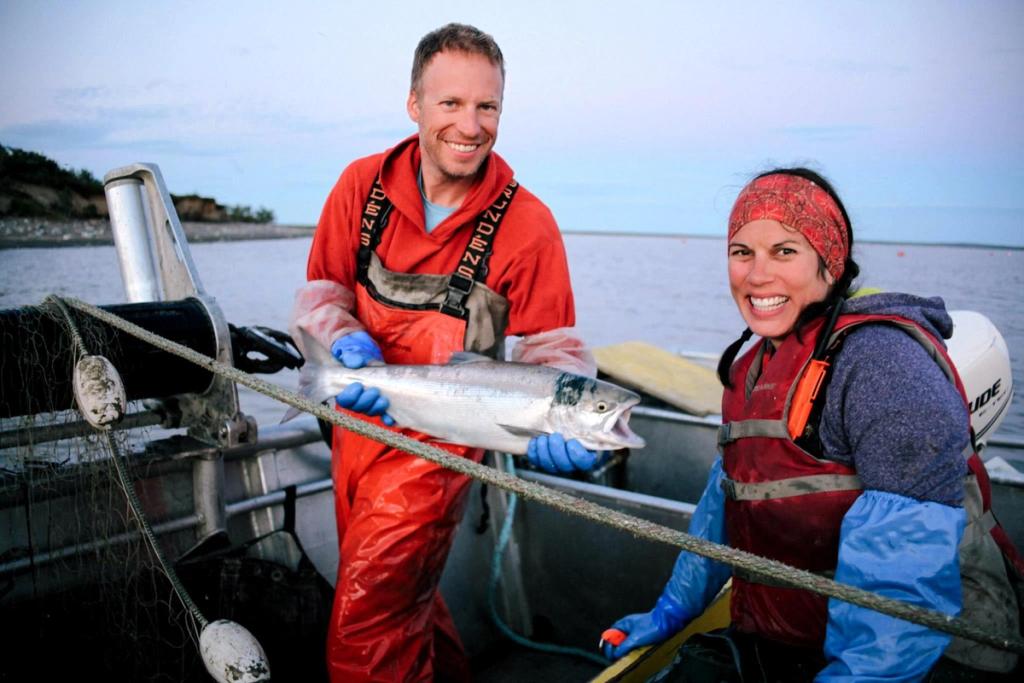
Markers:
point(477, 401)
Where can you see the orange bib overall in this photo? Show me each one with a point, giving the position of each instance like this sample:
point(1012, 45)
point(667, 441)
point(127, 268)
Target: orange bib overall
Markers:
point(397, 513)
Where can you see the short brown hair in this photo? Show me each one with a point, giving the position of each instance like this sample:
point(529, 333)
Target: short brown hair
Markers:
point(458, 38)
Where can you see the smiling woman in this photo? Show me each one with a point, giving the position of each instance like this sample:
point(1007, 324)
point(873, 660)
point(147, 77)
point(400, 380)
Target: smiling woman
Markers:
point(789, 242)
point(774, 276)
point(878, 483)
point(812, 254)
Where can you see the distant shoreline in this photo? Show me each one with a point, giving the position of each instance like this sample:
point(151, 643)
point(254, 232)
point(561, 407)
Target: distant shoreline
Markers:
point(18, 233)
point(696, 236)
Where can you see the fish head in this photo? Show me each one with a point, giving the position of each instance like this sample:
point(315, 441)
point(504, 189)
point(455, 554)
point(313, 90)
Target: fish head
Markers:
point(594, 412)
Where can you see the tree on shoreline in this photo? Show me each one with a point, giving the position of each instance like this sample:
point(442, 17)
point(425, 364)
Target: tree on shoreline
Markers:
point(35, 186)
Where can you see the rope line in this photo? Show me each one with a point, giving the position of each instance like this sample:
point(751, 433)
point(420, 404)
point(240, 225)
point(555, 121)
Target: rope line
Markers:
point(123, 480)
point(770, 570)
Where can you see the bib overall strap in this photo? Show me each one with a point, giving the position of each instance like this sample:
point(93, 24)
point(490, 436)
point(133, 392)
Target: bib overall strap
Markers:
point(371, 226)
point(472, 266)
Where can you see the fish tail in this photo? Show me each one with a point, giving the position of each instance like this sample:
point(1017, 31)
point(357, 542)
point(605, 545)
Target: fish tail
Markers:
point(314, 385)
point(313, 378)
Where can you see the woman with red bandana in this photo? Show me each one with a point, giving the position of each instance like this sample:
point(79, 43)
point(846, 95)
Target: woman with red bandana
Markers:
point(876, 480)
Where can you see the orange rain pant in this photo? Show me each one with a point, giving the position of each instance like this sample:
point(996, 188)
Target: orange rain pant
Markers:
point(397, 515)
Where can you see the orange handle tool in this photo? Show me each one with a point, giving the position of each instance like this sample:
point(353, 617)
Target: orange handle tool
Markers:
point(804, 396)
point(613, 636)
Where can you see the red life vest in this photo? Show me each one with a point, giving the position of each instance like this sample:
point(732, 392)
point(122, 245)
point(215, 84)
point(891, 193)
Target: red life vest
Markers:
point(784, 503)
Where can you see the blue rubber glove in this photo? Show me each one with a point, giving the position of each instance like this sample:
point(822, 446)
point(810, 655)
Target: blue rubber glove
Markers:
point(359, 399)
point(552, 453)
point(904, 549)
point(356, 350)
point(694, 583)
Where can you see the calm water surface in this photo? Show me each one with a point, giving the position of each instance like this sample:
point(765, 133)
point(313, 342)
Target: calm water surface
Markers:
point(669, 291)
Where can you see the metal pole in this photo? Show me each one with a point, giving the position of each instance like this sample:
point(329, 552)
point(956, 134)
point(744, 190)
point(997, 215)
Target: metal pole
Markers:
point(180, 524)
point(32, 436)
point(131, 239)
point(208, 494)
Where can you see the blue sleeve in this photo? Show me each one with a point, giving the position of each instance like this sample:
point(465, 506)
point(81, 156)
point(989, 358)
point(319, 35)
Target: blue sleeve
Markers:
point(903, 549)
point(696, 580)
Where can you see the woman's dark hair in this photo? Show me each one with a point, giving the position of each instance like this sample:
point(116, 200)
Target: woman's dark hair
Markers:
point(840, 290)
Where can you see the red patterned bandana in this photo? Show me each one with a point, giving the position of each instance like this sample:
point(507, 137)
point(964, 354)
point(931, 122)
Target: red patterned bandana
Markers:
point(801, 205)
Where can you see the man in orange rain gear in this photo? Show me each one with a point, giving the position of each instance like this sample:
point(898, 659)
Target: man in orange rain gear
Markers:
point(429, 248)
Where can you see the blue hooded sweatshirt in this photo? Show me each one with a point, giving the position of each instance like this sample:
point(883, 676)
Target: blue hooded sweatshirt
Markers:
point(890, 412)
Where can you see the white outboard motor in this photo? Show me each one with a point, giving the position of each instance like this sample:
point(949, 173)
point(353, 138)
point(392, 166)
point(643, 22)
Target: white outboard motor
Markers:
point(979, 352)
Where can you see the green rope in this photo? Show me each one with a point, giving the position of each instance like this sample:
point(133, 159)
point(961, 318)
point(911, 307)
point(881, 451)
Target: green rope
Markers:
point(492, 588)
point(771, 571)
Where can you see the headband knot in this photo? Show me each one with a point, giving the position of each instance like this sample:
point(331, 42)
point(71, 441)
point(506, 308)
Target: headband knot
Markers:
point(801, 205)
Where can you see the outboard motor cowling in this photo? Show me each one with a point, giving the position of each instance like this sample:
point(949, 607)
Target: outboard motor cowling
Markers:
point(981, 357)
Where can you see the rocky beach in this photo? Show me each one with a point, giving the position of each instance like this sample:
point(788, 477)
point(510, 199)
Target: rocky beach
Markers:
point(43, 204)
point(44, 232)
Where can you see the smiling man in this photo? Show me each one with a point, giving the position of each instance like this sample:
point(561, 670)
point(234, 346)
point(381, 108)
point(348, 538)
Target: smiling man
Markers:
point(457, 104)
point(429, 248)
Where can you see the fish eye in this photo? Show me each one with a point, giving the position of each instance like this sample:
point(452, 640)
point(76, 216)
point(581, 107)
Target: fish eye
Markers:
point(601, 406)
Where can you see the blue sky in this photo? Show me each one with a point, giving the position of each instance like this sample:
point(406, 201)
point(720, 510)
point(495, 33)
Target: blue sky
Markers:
point(642, 116)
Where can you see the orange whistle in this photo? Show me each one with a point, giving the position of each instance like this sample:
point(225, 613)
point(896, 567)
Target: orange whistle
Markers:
point(804, 396)
point(613, 636)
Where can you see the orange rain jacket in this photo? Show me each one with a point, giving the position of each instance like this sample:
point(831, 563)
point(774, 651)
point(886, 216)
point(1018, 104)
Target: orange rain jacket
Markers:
point(397, 513)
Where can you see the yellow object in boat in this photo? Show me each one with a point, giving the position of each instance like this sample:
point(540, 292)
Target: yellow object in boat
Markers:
point(644, 662)
point(675, 380)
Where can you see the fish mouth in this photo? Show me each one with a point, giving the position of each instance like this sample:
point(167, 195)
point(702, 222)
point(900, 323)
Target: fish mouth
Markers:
point(616, 433)
point(597, 427)
point(622, 435)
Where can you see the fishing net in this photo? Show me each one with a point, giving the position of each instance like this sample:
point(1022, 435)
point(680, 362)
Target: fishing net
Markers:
point(80, 589)
point(75, 574)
